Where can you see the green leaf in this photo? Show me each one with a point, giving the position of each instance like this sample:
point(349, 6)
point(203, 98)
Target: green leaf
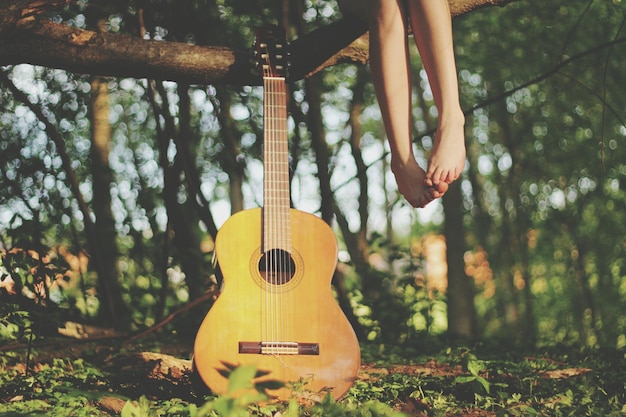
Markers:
point(131, 410)
point(474, 366)
point(464, 379)
point(485, 384)
point(241, 378)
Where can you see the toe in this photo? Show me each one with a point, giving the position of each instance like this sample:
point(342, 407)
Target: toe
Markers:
point(442, 187)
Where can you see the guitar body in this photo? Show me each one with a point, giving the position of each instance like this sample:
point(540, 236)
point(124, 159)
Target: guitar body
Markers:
point(290, 327)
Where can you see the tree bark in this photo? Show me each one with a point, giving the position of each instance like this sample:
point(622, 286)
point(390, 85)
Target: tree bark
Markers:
point(25, 37)
point(104, 224)
point(228, 157)
point(358, 104)
point(462, 322)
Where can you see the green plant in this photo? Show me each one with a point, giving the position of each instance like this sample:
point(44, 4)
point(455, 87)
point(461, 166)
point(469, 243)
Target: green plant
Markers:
point(473, 366)
point(565, 383)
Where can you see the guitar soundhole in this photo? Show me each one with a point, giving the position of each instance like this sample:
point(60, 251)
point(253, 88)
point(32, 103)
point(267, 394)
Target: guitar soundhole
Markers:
point(277, 267)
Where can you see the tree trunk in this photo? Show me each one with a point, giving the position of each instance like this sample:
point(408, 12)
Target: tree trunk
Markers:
point(182, 216)
point(358, 104)
point(318, 142)
point(519, 238)
point(583, 299)
point(104, 225)
point(462, 322)
point(228, 157)
point(195, 207)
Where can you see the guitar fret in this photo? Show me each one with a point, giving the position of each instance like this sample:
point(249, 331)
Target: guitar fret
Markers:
point(277, 227)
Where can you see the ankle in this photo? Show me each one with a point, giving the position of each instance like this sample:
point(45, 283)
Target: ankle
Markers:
point(453, 117)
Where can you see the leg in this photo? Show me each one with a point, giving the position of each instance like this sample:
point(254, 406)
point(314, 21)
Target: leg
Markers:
point(432, 29)
point(390, 72)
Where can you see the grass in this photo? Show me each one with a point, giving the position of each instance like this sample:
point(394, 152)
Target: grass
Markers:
point(87, 380)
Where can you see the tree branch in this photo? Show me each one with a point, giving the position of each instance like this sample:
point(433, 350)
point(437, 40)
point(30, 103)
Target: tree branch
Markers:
point(58, 46)
point(26, 38)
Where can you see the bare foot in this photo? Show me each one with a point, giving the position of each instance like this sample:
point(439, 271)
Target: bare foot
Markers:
point(447, 159)
point(411, 183)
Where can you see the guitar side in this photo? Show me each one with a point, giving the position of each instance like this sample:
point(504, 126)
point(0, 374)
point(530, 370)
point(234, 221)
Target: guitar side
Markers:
point(302, 311)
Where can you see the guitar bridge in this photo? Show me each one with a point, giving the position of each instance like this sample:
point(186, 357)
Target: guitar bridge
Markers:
point(279, 348)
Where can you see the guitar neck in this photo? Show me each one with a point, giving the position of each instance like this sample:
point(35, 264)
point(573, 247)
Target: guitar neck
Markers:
point(276, 222)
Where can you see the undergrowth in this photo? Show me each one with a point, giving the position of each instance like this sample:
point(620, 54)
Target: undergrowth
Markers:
point(451, 382)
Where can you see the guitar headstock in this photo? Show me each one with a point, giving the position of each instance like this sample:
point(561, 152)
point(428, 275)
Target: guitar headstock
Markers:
point(271, 51)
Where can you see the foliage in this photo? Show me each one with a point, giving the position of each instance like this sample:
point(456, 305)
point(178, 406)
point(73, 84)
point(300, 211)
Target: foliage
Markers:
point(33, 274)
point(52, 389)
point(556, 383)
point(33, 287)
point(544, 206)
point(546, 176)
point(543, 192)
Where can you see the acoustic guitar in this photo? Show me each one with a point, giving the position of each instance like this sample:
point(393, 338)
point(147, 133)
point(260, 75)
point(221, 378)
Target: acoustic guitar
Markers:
point(276, 310)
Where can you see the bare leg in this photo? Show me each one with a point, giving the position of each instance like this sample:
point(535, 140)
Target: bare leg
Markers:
point(390, 72)
point(432, 29)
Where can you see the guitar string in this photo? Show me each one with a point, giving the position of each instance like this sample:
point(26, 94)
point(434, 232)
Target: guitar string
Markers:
point(286, 225)
point(266, 211)
point(277, 242)
point(270, 207)
point(280, 172)
point(275, 220)
point(269, 213)
point(280, 203)
point(283, 178)
point(276, 223)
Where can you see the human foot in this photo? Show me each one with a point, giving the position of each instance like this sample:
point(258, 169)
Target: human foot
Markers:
point(447, 159)
point(411, 183)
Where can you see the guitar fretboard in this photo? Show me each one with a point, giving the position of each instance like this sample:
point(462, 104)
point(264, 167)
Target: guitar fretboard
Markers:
point(276, 222)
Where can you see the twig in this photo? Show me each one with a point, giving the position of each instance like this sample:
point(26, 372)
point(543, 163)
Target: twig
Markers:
point(205, 297)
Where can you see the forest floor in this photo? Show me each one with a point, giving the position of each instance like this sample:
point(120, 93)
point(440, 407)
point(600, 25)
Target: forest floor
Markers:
point(110, 378)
